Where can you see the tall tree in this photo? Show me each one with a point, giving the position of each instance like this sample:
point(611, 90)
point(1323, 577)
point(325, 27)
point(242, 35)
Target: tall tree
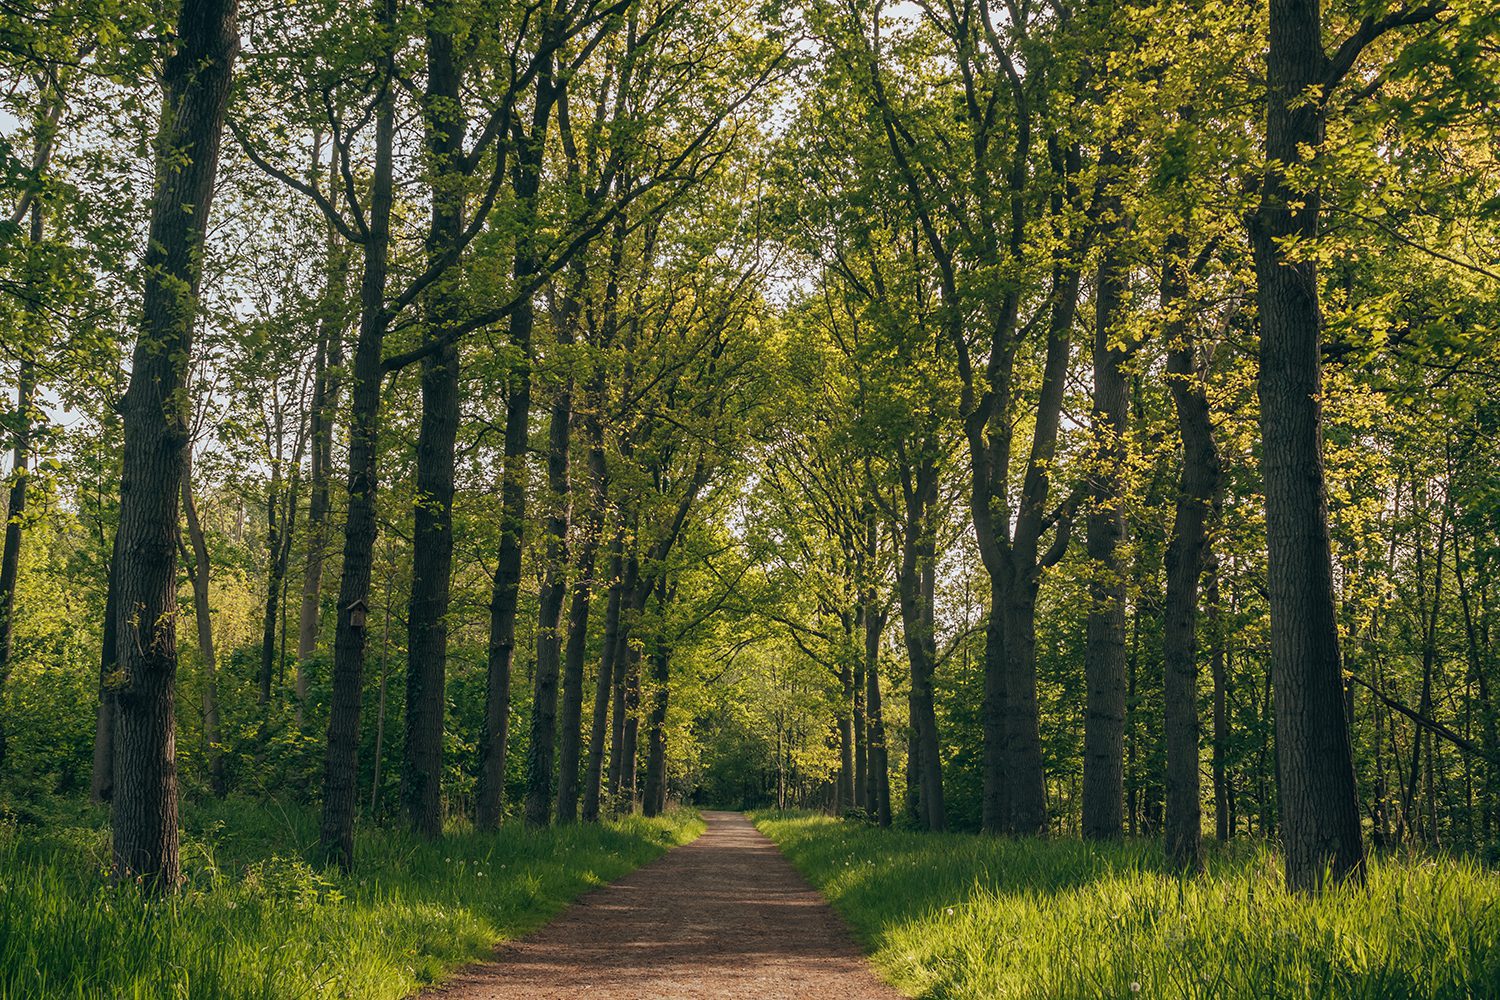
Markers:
point(328, 365)
point(15, 506)
point(341, 756)
point(1185, 557)
point(873, 616)
point(916, 578)
point(1320, 820)
point(506, 588)
point(1104, 652)
point(196, 84)
point(432, 527)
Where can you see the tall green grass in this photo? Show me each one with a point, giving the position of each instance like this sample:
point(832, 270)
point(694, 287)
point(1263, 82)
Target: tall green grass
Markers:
point(255, 921)
point(964, 916)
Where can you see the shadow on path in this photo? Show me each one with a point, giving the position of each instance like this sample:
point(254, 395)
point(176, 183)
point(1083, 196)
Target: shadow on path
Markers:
point(725, 916)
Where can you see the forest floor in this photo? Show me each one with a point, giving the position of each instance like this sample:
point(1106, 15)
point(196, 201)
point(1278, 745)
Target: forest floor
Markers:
point(255, 921)
point(963, 917)
point(724, 917)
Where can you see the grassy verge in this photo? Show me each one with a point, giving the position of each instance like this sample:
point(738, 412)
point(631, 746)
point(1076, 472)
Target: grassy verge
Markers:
point(964, 916)
point(255, 921)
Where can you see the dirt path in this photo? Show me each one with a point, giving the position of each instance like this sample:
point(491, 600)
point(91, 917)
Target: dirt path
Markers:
point(726, 916)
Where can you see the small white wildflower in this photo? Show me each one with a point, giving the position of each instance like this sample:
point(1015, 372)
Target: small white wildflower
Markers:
point(949, 911)
point(1135, 987)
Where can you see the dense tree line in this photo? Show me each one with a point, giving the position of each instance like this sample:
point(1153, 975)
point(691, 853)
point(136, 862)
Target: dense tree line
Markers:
point(1029, 419)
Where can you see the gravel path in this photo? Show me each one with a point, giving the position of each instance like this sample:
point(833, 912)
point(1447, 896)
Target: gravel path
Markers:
point(724, 917)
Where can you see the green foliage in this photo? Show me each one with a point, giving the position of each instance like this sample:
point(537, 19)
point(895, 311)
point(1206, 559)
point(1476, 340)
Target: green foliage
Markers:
point(952, 916)
point(254, 920)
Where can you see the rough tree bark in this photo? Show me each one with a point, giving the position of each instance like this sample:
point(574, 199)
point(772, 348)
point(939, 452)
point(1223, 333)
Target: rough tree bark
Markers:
point(432, 526)
point(279, 506)
point(599, 733)
point(654, 797)
point(1320, 820)
point(630, 748)
point(196, 84)
point(15, 510)
point(878, 795)
point(621, 679)
point(844, 792)
point(916, 581)
point(1104, 650)
point(341, 759)
point(541, 752)
point(1015, 795)
point(861, 733)
point(570, 743)
point(1196, 494)
point(584, 583)
point(506, 588)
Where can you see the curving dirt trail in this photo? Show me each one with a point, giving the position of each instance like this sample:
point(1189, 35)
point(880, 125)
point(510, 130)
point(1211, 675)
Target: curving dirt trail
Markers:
point(723, 917)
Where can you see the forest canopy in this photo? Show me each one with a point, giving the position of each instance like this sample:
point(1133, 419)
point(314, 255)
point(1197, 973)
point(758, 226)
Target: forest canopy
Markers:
point(1068, 419)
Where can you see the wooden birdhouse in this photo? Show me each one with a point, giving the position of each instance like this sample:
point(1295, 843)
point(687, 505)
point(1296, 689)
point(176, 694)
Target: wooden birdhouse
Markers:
point(357, 612)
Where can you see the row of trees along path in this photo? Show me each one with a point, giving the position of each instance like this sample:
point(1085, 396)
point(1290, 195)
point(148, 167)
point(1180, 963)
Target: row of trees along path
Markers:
point(562, 203)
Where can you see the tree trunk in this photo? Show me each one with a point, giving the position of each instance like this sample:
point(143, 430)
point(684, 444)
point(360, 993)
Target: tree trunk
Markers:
point(1477, 648)
point(541, 753)
point(1104, 651)
point(1196, 495)
point(623, 665)
point(911, 803)
point(845, 795)
point(385, 650)
point(599, 733)
point(276, 523)
point(916, 583)
point(1026, 797)
point(432, 525)
point(1223, 787)
point(507, 583)
point(629, 751)
point(861, 739)
point(326, 382)
point(1428, 611)
point(196, 84)
point(341, 761)
point(1319, 800)
point(495, 739)
point(102, 782)
point(1015, 785)
point(199, 570)
point(570, 744)
point(879, 794)
point(617, 721)
point(654, 799)
point(427, 615)
point(10, 554)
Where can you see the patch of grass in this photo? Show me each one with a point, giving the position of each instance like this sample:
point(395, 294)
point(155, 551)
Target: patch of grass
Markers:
point(256, 921)
point(964, 916)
